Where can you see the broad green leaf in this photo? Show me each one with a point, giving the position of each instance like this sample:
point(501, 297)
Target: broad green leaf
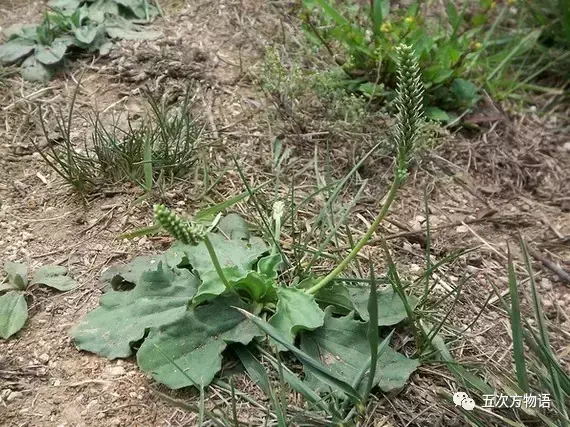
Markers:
point(105, 48)
point(239, 253)
point(17, 274)
point(139, 8)
point(234, 227)
point(269, 265)
point(437, 114)
point(212, 285)
point(123, 277)
point(7, 286)
point(296, 311)
point(464, 91)
point(99, 9)
point(54, 276)
point(159, 297)
point(64, 4)
point(342, 345)
point(258, 287)
point(15, 49)
point(34, 71)
point(320, 370)
point(120, 28)
point(236, 258)
point(86, 34)
point(195, 342)
point(336, 295)
point(391, 309)
point(50, 55)
point(13, 313)
point(21, 31)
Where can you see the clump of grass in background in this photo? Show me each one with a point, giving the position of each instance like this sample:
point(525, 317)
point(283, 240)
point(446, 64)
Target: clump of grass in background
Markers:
point(160, 149)
point(528, 50)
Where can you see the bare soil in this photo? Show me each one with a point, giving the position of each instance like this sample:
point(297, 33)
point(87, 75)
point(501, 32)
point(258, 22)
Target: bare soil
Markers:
point(510, 177)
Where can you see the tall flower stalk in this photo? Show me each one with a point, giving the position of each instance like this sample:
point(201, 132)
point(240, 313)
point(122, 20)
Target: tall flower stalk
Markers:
point(409, 122)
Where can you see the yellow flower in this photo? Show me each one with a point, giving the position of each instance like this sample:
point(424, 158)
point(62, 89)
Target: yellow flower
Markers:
point(493, 5)
point(386, 27)
point(410, 19)
point(477, 46)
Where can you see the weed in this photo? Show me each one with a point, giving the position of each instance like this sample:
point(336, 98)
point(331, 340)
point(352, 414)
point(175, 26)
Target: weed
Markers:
point(223, 277)
point(13, 305)
point(365, 39)
point(299, 92)
point(161, 148)
point(74, 25)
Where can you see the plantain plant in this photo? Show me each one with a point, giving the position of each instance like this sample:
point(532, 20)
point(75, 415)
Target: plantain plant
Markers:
point(80, 25)
point(218, 287)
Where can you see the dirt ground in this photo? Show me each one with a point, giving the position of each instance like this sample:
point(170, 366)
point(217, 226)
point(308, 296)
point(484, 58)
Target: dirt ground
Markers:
point(510, 177)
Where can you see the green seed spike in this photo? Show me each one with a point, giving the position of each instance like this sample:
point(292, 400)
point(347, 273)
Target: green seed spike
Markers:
point(409, 105)
point(183, 230)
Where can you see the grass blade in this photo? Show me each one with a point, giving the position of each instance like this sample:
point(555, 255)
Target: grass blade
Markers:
point(372, 331)
point(147, 166)
point(516, 327)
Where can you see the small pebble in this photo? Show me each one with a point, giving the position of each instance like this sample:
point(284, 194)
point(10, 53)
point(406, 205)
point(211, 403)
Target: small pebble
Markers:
point(546, 284)
point(116, 371)
point(14, 396)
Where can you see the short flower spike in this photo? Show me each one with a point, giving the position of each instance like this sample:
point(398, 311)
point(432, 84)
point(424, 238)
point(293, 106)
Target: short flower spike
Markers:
point(183, 230)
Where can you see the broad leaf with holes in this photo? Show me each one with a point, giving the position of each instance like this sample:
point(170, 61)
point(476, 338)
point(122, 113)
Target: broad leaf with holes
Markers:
point(194, 343)
point(343, 346)
point(159, 297)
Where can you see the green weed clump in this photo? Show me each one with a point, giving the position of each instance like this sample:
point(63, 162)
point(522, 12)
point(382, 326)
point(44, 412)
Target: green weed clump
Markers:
point(224, 288)
point(528, 50)
point(158, 150)
point(307, 94)
point(74, 26)
point(15, 287)
point(363, 38)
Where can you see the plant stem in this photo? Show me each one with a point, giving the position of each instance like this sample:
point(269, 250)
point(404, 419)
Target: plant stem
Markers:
point(215, 261)
point(383, 212)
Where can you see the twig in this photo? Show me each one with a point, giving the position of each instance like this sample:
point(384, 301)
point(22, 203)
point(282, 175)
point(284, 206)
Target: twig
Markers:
point(556, 269)
point(413, 233)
